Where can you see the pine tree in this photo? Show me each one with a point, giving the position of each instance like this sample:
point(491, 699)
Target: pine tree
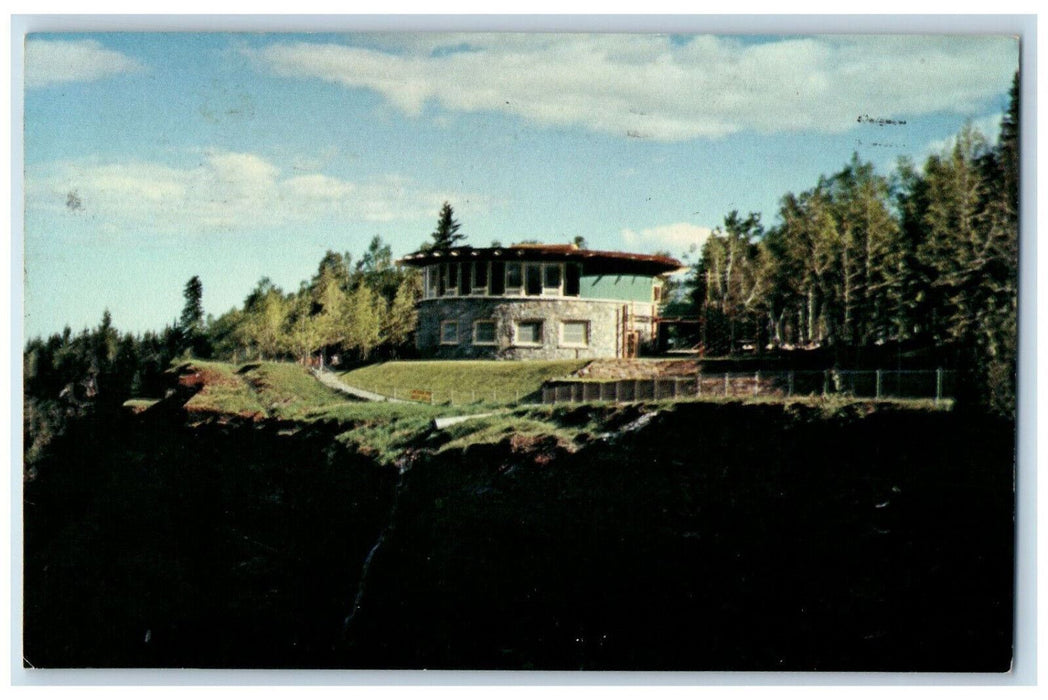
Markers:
point(446, 234)
point(191, 322)
point(192, 317)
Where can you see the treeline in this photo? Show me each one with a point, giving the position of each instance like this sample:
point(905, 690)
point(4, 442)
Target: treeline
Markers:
point(355, 311)
point(349, 311)
point(89, 374)
point(345, 313)
point(925, 258)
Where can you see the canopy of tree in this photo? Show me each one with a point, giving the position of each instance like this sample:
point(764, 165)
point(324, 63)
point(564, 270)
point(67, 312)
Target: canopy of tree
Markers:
point(923, 258)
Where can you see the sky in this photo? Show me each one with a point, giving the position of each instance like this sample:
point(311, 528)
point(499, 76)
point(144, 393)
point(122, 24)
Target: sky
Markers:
point(153, 157)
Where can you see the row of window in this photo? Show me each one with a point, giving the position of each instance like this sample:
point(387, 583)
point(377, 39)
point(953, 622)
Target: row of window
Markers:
point(502, 278)
point(527, 332)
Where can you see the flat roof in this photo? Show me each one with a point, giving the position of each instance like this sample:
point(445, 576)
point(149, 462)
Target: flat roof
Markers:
point(595, 261)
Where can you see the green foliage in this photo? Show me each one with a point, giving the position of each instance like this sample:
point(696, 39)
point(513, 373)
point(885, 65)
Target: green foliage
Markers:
point(69, 377)
point(366, 310)
point(446, 234)
point(926, 258)
point(402, 318)
point(349, 312)
point(193, 312)
point(263, 389)
point(287, 390)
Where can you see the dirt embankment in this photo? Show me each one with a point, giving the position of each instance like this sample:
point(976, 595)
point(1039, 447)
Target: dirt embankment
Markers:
point(703, 537)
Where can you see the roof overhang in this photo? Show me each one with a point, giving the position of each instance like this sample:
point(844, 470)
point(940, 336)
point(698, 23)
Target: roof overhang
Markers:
point(593, 261)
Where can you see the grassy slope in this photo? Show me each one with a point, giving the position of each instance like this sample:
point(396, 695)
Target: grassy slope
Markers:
point(461, 381)
point(270, 389)
point(386, 431)
point(224, 391)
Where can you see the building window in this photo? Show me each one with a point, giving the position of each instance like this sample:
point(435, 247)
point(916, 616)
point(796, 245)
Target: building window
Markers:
point(449, 332)
point(533, 279)
point(480, 278)
point(572, 279)
point(430, 274)
point(498, 277)
point(450, 279)
point(463, 277)
point(514, 278)
point(551, 277)
point(574, 333)
point(529, 333)
point(484, 332)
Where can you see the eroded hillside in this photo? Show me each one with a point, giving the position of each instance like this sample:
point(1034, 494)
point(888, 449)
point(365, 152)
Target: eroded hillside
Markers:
point(688, 536)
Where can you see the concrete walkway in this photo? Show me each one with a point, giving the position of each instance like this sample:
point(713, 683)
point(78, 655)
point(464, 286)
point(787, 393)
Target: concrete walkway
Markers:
point(332, 380)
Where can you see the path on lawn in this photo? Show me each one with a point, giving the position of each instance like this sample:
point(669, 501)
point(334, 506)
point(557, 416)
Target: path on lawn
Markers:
point(330, 379)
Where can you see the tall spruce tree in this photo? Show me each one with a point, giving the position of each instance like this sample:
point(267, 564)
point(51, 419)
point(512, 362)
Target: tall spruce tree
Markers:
point(446, 234)
point(191, 322)
point(192, 318)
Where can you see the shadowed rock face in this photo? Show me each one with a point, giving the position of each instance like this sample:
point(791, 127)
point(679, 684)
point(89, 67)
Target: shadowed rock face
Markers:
point(711, 537)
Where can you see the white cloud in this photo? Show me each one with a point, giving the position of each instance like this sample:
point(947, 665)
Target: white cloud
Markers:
point(989, 126)
point(679, 238)
point(225, 191)
point(48, 62)
point(651, 86)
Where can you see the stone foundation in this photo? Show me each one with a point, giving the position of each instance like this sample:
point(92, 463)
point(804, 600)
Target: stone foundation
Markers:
point(604, 318)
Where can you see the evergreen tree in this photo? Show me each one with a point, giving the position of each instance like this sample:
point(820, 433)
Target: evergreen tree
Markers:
point(446, 234)
point(192, 318)
point(191, 322)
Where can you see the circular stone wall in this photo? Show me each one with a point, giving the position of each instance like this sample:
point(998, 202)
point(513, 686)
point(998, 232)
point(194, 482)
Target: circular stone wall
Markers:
point(507, 313)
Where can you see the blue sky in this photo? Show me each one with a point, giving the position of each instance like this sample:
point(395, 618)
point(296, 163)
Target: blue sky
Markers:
point(150, 158)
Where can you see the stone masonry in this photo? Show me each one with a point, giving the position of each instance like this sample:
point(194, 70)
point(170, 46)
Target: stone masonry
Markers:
point(604, 318)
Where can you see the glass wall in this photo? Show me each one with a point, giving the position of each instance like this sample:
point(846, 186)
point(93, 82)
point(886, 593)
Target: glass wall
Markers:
point(502, 278)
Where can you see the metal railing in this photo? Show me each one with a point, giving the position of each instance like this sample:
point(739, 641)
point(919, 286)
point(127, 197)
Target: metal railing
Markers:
point(935, 384)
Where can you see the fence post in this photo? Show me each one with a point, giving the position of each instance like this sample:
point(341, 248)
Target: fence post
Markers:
point(725, 383)
point(636, 390)
point(878, 384)
point(938, 385)
point(789, 390)
point(825, 382)
point(676, 387)
point(698, 383)
point(756, 382)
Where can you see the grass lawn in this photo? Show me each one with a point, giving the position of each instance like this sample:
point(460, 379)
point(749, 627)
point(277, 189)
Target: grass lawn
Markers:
point(288, 390)
point(388, 431)
point(462, 381)
point(271, 389)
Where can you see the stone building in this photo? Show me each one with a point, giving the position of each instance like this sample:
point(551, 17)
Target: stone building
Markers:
point(537, 302)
